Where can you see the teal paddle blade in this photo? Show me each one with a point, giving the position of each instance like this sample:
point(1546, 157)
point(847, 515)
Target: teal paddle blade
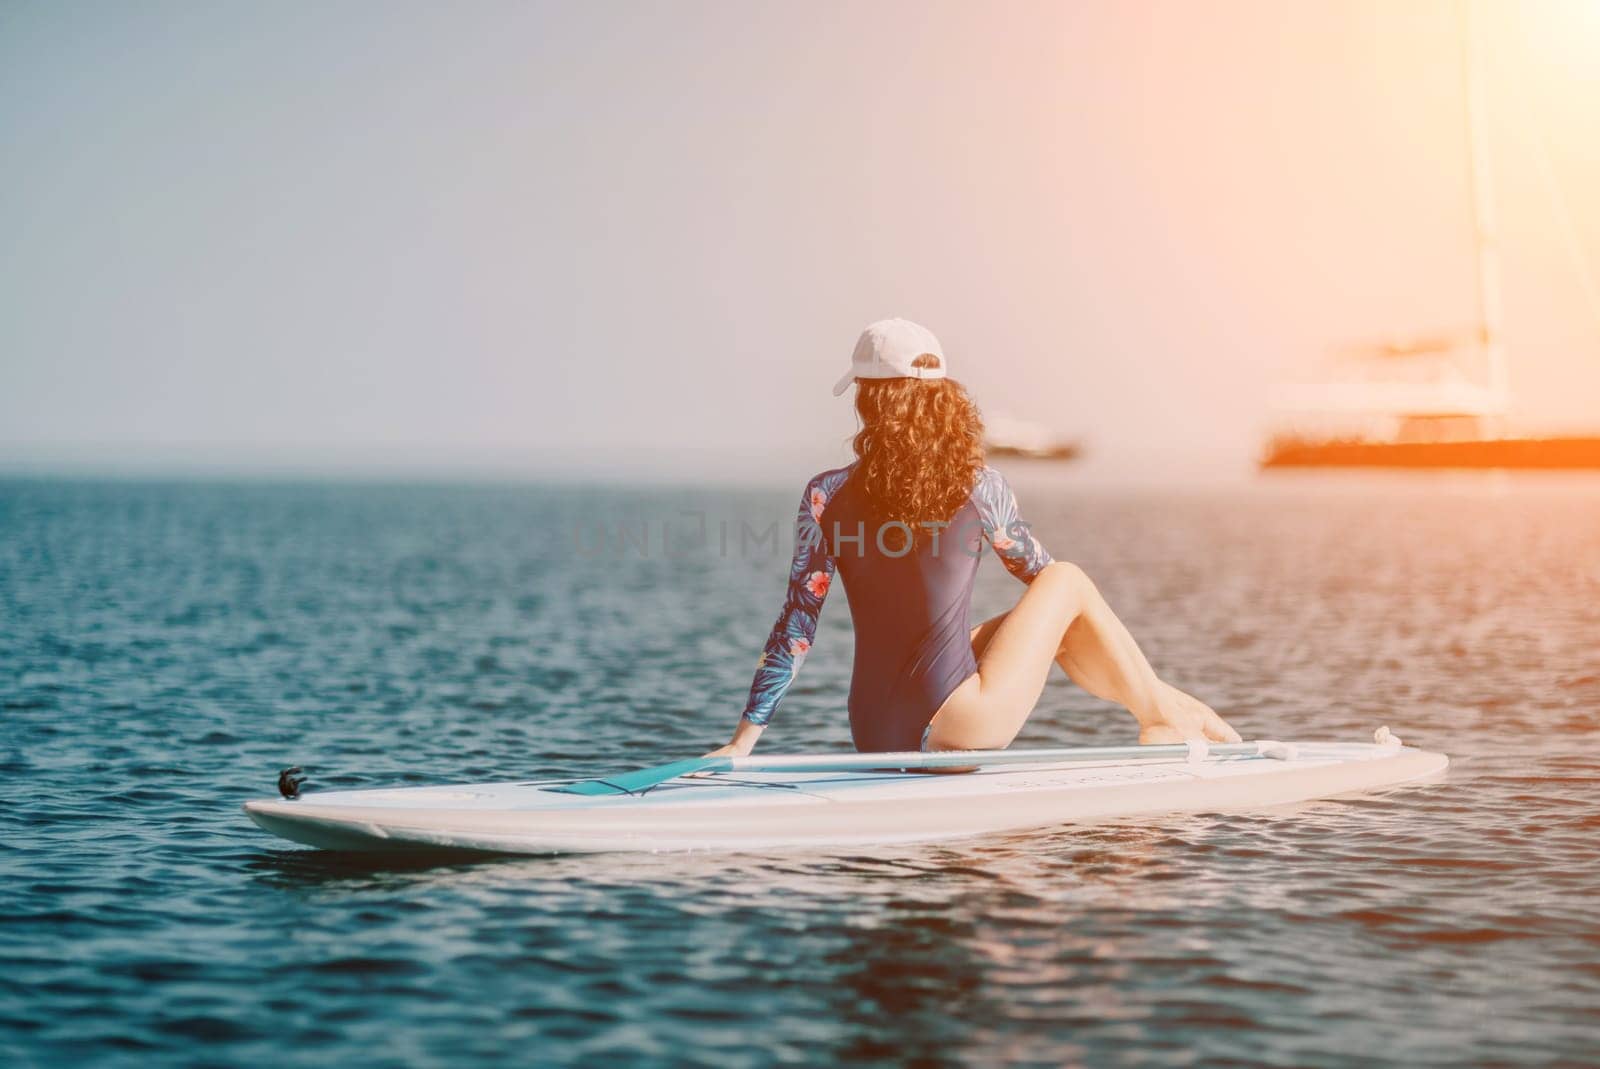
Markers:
point(643, 779)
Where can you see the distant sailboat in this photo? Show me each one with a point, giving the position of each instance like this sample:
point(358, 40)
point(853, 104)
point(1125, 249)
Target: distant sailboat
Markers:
point(1435, 402)
point(1006, 436)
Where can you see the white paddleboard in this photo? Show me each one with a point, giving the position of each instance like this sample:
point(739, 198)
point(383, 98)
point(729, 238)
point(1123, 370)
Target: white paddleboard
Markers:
point(750, 810)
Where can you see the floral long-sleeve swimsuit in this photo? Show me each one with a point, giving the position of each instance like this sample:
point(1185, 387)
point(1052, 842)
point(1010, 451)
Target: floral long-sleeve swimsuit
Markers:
point(911, 604)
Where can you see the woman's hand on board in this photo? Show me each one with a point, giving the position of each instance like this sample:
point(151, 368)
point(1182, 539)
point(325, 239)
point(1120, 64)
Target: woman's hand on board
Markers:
point(743, 741)
point(730, 750)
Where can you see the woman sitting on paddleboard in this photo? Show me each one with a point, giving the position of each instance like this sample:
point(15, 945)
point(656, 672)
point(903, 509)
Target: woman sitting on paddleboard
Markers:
point(903, 527)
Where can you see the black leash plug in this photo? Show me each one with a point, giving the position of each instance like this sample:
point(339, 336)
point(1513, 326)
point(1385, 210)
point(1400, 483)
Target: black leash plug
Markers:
point(289, 781)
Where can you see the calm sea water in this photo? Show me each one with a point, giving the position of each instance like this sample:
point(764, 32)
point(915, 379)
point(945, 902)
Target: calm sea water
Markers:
point(165, 648)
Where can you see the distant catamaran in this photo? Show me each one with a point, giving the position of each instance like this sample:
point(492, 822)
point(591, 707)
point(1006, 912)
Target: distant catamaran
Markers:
point(1418, 403)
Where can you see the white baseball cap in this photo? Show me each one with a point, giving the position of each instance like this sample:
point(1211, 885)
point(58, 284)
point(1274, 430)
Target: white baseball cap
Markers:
point(886, 350)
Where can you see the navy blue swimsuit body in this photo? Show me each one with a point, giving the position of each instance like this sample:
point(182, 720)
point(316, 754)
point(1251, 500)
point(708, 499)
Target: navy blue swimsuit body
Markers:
point(910, 604)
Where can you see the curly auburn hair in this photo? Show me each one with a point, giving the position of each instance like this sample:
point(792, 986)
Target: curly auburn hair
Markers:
point(920, 447)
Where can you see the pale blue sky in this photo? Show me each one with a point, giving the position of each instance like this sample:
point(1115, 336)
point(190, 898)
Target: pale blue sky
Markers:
point(623, 236)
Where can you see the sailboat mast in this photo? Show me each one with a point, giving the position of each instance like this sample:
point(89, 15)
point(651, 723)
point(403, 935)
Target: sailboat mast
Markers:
point(1481, 177)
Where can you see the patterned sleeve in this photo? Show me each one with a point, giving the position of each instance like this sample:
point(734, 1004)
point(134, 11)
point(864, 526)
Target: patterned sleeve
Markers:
point(1005, 528)
point(810, 575)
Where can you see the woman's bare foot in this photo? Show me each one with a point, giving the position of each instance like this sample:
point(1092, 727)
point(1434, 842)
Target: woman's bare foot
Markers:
point(1183, 716)
point(1159, 735)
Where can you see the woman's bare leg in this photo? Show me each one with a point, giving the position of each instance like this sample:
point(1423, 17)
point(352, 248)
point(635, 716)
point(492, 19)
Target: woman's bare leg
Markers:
point(1084, 658)
point(988, 710)
point(1062, 619)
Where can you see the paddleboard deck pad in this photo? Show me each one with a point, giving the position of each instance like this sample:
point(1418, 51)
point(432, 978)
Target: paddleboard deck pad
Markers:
point(756, 810)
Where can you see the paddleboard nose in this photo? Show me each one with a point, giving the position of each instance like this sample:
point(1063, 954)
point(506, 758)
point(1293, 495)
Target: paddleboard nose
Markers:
point(270, 807)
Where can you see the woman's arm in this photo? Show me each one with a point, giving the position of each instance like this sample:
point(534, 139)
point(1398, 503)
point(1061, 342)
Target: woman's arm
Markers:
point(811, 573)
point(1010, 535)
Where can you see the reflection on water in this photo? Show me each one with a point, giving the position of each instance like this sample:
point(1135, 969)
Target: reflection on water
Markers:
point(167, 648)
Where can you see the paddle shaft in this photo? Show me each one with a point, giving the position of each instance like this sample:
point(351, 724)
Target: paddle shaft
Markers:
point(963, 758)
point(645, 778)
